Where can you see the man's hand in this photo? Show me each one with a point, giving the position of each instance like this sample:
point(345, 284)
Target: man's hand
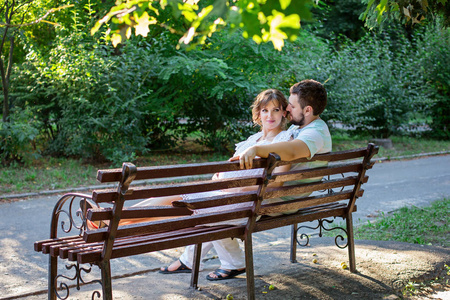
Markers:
point(246, 158)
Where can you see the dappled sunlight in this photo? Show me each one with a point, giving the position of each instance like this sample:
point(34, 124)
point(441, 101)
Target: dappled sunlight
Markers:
point(147, 261)
point(19, 276)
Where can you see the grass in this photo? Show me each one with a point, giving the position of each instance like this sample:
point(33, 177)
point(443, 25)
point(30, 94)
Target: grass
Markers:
point(58, 173)
point(428, 225)
point(402, 145)
point(46, 174)
point(420, 225)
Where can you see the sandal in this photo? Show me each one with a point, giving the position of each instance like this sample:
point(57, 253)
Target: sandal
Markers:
point(229, 274)
point(181, 269)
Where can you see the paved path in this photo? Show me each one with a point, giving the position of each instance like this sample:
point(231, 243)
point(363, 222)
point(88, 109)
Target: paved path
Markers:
point(391, 186)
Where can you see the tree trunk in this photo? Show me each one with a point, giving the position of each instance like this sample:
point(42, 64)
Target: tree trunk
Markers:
point(5, 93)
point(5, 81)
point(3, 74)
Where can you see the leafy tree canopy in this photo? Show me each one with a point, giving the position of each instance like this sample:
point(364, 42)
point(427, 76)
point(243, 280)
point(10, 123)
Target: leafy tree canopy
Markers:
point(262, 20)
point(409, 12)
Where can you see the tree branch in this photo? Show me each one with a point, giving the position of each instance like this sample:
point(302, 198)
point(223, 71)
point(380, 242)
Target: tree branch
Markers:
point(37, 20)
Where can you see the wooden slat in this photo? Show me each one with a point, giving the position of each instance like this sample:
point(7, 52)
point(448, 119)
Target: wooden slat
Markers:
point(178, 189)
point(72, 253)
point(67, 251)
point(226, 199)
point(114, 175)
point(98, 214)
point(306, 202)
point(310, 187)
point(334, 210)
point(146, 247)
point(170, 224)
point(54, 249)
point(332, 156)
point(47, 247)
point(38, 246)
point(317, 172)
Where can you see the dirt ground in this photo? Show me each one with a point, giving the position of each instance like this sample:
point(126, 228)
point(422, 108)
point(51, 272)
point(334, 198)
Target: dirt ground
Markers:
point(384, 270)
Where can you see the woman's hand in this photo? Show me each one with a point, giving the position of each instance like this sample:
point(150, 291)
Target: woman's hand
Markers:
point(245, 158)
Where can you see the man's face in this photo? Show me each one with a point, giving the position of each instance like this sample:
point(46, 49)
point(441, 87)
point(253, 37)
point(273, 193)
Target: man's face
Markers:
point(295, 116)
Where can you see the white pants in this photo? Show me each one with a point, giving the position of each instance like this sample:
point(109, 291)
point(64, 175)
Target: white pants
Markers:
point(230, 254)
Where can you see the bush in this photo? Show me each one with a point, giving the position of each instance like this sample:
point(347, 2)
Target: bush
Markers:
point(94, 106)
point(433, 48)
point(18, 138)
point(374, 85)
point(208, 92)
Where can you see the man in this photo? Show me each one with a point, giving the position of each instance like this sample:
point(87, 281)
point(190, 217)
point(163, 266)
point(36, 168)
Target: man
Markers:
point(307, 101)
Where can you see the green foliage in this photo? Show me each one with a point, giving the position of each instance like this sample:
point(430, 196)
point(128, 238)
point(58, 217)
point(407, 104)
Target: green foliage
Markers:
point(94, 101)
point(433, 50)
point(408, 12)
point(263, 21)
point(94, 108)
point(374, 83)
point(18, 137)
point(338, 19)
point(209, 90)
point(95, 104)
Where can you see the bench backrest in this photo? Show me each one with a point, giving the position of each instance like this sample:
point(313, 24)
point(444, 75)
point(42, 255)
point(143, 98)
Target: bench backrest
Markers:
point(347, 166)
point(119, 197)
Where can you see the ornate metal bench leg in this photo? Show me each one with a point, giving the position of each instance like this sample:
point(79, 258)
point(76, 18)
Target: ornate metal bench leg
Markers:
point(196, 265)
point(293, 243)
point(106, 280)
point(249, 267)
point(59, 287)
point(52, 273)
point(321, 227)
point(351, 243)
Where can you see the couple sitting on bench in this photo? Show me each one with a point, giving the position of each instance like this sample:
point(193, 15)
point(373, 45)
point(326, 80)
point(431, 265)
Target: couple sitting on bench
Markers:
point(308, 135)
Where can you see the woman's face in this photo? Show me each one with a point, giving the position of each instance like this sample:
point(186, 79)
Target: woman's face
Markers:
point(271, 115)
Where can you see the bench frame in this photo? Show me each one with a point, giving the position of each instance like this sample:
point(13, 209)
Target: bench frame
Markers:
point(101, 253)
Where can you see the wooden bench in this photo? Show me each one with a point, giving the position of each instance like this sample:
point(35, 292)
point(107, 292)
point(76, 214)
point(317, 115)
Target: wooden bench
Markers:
point(333, 196)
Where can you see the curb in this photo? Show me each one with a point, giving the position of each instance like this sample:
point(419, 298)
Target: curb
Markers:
point(148, 182)
point(412, 156)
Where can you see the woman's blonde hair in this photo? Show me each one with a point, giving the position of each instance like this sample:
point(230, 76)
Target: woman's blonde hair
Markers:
point(263, 99)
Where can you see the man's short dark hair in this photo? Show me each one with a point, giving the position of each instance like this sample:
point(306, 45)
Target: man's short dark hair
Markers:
point(312, 93)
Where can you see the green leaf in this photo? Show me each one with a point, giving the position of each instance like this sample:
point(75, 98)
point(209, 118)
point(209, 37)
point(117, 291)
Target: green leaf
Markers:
point(381, 8)
point(369, 5)
point(285, 3)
